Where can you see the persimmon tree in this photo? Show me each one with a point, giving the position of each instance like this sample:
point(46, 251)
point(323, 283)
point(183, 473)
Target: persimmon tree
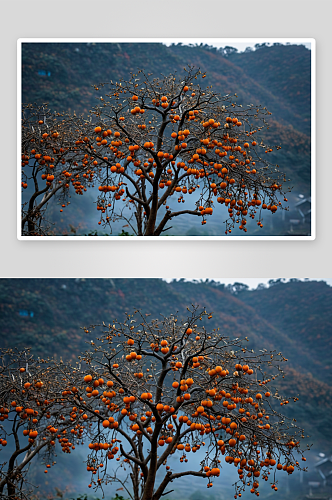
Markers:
point(173, 138)
point(151, 143)
point(146, 392)
point(51, 162)
point(167, 388)
point(35, 412)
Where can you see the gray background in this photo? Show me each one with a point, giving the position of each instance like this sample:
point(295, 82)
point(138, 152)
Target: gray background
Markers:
point(156, 18)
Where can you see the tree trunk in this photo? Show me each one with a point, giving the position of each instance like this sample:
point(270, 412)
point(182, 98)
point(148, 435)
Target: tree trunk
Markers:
point(11, 489)
point(151, 478)
point(138, 215)
point(135, 482)
point(162, 224)
point(150, 228)
point(159, 492)
point(31, 224)
point(149, 485)
point(152, 221)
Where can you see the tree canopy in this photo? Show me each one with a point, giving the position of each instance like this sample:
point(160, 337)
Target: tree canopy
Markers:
point(150, 143)
point(144, 391)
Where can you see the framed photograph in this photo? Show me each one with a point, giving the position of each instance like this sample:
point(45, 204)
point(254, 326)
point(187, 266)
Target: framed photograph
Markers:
point(179, 138)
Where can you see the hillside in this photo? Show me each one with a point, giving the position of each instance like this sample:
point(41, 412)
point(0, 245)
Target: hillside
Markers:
point(277, 77)
point(285, 71)
point(303, 313)
point(295, 318)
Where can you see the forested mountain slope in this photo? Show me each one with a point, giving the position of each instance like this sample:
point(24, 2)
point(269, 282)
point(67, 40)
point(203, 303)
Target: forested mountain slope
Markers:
point(278, 77)
point(295, 318)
